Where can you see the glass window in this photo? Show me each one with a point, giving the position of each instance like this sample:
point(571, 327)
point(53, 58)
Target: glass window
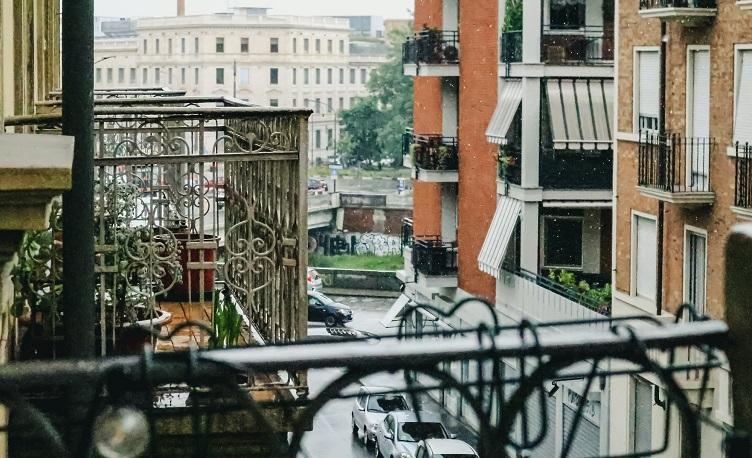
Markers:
point(648, 90)
point(294, 102)
point(318, 76)
point(352, 76)
point(562, 241)
point(318, 45)
point(133, 76)
point(743, 101)
point(330, 46)
point(121, 75)
point(244, 45)
point(274, 45)
point(329, 105)
point(274, 102)
point(329, 138)
point(329, 76)
point(195, 75)
point(109, 75)
point(156, 75)
point(182, 75)
point(363, 76)
point(156, 46)
point(294, 45)
point(306, 103)
point(145, 76)
point(306, 44)
point(306, 76)
point(695, 265)
point(169, 75)
point(642, 417)
point(567, 14)
point(341, 76)
point(220, 76)
point(169, 46)
point(385, 403)
point(294, 76)
point(318, 138)
point(146, 47)
point(418, 431)
point(182, 45)
point(99, 75)
point(220, 45)
point(341, 103)
point(273, 76)
point(195, 45)
point(317, 107)
point(341, 46)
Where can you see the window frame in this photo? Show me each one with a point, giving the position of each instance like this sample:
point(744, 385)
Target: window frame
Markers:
point(636, 50)
point(544, 244)
point(633, 256)
point(738, 49)
point(273, 76)
point(700, 232)
point(245, 45)
point(219, 75)
point(219, 45)
point(274, 45)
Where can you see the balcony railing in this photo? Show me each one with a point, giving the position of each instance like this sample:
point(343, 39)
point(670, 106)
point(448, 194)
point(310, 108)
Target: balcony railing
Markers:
point(432, 46)
point(576, 169)
point(743, 182)
point(406, 233)
point(690, 13)
point(674, 164)
point(433, 257)
point(432, 152)
point(653, 4)
point(585, 45)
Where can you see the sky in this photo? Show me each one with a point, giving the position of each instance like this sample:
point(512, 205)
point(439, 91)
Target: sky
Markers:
point(135, 8)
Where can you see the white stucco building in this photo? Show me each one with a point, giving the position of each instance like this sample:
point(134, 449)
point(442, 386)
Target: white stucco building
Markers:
point(286, 61)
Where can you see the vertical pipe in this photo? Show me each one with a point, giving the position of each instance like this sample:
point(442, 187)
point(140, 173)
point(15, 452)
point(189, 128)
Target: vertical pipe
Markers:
point(78, 203)
point(662, 160)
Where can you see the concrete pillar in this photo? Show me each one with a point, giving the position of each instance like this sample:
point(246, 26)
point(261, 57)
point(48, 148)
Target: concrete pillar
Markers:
point(529, 227)
point(449, 212)
point(530, 131)
point(531, 32)
point(449, 113)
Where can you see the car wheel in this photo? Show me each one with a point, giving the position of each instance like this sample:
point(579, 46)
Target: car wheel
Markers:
point(354, 427)
point(330, 321)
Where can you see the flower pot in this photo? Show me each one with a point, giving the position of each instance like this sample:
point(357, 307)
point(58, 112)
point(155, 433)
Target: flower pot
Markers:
point(191, 247)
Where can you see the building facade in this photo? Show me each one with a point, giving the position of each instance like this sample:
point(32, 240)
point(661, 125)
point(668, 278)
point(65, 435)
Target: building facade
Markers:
point(285, 61)
point(682, 173)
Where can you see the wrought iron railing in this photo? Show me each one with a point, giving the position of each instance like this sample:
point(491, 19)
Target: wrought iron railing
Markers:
point(432, 46)
point(673, 163)
point(407, 232)
point(431, 256)
point(563, 46)
point(651, 4)
point(743, 174)
point(576, 169)
point(432, 152)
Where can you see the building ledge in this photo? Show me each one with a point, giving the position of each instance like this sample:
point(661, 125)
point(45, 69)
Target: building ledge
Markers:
point(686, 16)
point(603, 69)
point(437, 281)
point(688, 198)
point(436, 70)
point(436, 176)
point(742, 213)
point(744, 4)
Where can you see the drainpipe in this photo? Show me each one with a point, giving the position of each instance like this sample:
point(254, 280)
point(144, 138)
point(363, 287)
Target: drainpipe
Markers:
point(661, 167)
point(78, 203)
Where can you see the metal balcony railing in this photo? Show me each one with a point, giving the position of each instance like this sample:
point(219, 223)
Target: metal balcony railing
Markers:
point(584, 45)
point(432, 46)
point(674, 164)
point(576, 169)
point(407, 232)
point(432, 152)
point(511, 46)
point(431, 256)
point(652, 4)
point(743, 182)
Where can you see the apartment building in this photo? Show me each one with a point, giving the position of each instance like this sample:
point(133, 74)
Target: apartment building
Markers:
point(512, 146)
point(684, 125)
point(269, 60)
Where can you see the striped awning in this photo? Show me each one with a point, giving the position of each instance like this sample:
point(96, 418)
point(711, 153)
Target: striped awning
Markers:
point(509, 102)
point(499, 234)
point(580, 112)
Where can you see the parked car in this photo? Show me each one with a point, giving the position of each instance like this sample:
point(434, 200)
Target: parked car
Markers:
point(444, 448)
point(398, 435)
point(371, 407)
point(317, 185)
point(322, 309)
point(313, 280)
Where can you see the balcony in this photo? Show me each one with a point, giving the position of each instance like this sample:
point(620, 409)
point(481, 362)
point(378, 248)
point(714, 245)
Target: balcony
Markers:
point(586, 45)
point(690, 13)
point(675, 169)
point(435, 157)
point(565, 169)
point(432, 52)
point(743, 182)
point(435, 261)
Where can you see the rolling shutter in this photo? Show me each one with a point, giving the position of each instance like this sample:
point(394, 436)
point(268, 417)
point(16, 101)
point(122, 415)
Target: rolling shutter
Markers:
point(648, 80)
point(587, 438)
point(743, 118)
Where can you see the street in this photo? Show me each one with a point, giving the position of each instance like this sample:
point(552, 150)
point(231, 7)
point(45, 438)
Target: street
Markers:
point(331, 436)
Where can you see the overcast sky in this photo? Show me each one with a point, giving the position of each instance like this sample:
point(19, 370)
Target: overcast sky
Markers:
point(134, 8)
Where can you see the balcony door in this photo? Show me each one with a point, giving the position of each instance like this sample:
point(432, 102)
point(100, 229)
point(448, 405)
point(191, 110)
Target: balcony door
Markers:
point(698, 146)
point(695, 265)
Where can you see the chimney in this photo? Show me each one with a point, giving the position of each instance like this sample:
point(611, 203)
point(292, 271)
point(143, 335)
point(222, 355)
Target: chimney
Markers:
point(181, 7)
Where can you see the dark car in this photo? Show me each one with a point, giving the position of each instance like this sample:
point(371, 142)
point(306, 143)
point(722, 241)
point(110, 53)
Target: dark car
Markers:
point(317, 185)
point(322, 309)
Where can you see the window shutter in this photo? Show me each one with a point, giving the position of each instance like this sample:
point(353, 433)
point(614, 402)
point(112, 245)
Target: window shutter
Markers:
point(743, 118)
point(648, 75)
point(645, 270)
point(701, 94)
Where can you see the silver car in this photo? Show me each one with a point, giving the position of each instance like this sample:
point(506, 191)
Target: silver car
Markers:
point(444, 448)
point(371, 407)
point(399, 433)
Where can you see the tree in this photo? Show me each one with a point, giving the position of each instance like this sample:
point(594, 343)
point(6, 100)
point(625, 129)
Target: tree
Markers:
point(373, 128)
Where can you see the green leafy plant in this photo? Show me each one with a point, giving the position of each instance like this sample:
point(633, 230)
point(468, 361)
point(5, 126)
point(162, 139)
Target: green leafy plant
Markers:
point(513, 16)
point(568, 279)
point(227, 323)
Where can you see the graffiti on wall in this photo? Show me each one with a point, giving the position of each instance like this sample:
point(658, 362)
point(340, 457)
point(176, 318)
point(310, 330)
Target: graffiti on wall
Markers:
point(378, 244)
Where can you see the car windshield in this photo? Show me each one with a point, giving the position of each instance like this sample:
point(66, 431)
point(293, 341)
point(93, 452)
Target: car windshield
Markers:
point(381, 403)
point(417, 431)
point(323, 299)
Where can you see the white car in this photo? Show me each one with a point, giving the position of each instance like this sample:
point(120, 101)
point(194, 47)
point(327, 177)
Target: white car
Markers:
point(399, 433)
point(371, 407)
point(313, 280)
point(443, 448)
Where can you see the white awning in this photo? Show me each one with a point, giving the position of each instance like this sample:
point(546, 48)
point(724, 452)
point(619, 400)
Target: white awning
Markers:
point(509, 102)
point(393, 317)
point(580, 113)
point(495, 246)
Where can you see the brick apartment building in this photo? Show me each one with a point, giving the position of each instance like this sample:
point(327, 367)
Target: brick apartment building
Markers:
point(681, 183)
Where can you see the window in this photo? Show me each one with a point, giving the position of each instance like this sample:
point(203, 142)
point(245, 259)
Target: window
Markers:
point(306, 103)
point(329, 105)
point(294, 102)
point(647, 87)
point(644, 241)
point(306, 76)
point(244, 45)
point(133, 76)
point(318, 45)
point(182, 46)
point(695, 265)
point(182, 76)
point(352, 102)
point(341, 103)
point(273, 102)
point(567, 14)
point(330, 46)
point(352, 76)
point(318, 76)
point(195, 76)
point(363, 76)
point(156, 76)
point(195, 45)
point(220, 76)
point(306, 45)
point(273, 76)
point(274, 45)
point(169, 46)
point(698, 107)
point(145, 78)
point(341, 46)
point(329, 76)
point(341, 76)
point(99, 75)
point(244, 76)
point(642, 417)
point(146, 47)
point(294, 76)
point(318, 138)
point(220, 45)
point(317, 107)
point(294, 45)
point(743, 99)
point(329, 138)
point(169, 75)
point(121, 75)
point(156, 46)
point(109, 75)
point(562, 245)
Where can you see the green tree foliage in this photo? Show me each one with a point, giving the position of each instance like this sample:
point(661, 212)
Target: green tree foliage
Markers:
point(513, 16)
point(373, 128)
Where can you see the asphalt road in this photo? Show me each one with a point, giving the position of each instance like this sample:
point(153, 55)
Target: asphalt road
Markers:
point(375, 185)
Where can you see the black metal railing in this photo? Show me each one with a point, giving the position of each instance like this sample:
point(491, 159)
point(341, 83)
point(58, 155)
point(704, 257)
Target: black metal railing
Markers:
point(511, 46)
point(432, 46)
point(576, 169)
point(432, 152)
point(743, 181)
point(407, 232)
point(673, 163)
point(510, 164)
point(431, 256)
point(564, 46)
point(653, 4)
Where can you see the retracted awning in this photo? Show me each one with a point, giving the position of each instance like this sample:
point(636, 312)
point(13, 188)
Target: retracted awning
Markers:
point(499, 234)
point(393, 317)
point(509, 102)
point(580, 113)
